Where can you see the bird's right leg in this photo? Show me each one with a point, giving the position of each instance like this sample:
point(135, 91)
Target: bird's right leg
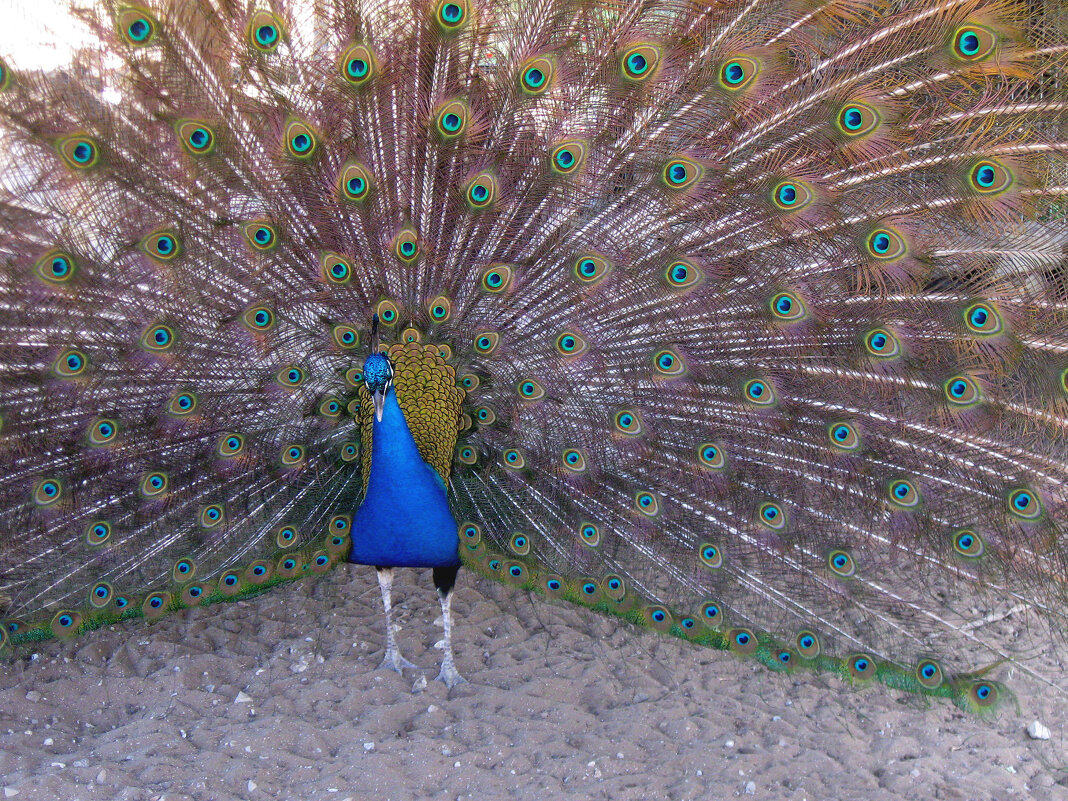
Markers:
point(393, 659)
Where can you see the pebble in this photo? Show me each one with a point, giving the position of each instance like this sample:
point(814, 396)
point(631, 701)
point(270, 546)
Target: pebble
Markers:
point(1037, 731)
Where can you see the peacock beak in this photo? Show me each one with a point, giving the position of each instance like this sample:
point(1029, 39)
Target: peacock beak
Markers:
point(379, 399)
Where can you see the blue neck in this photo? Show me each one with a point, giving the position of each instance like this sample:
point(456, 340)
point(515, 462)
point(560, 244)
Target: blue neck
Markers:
point(404, 520)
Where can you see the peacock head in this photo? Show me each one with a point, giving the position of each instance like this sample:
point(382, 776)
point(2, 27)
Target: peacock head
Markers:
point(378, 376)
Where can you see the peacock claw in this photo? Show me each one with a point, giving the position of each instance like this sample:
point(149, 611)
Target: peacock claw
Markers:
point(450, 677)
point(396, 662)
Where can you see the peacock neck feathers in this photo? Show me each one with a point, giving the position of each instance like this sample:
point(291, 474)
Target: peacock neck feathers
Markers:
point(404, 519)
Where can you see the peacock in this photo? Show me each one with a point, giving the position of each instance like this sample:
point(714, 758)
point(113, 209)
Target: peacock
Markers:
point(743, 320)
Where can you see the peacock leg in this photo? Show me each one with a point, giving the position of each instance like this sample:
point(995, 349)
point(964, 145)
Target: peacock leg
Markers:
point(444, 581)
point(392, 659)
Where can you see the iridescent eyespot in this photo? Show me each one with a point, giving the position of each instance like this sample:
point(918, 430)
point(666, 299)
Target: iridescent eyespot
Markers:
point(497, 278)
point(841, 564)
point(452, 14)
point(742, 641)
point(154, 483)
point(861, 667)
point(292, 455)
point(289, 567)
point(1024, 504)
point(70, 363)
point(487, 342)
point(808, 644)
point(387, 312)
point(349, 451)
point(792, 195)
point(647, 504)
point(100, 595)
point(856, 119)
point(962, 390)
point(481, 190)
point(843, 436)
point(590, 535)
point(529, 389)
point(681, 173)
point(536, 74)
point(300, 140)
point(330, 407)
point(339, 524)
point(711, 556)
point(969, 544)
point(467, 455)
point(260, 235)
point(639, 62)
point(989, 177)
point(758, 392)
point(711, 613)
point(772, 515)
point(568, 157)
point(669, 363)
point(66, 623)
point(290, 377)
point(885, 244)
point(712, 456)
point(470, 381)
point(553, 584)
point(79, 151)
point(982, 319)
point(440, 309)
point(103, 432)
point(158, 338)
point(184, 569)
point(520, 544)
point(345, 336)
point(513, 459)
point(354, 182)
point(156, 605)
point(258, 318)
point(406, 246)
point(787, 307)
point(903, 494)
point(627, 422)
point(258, 572)
point(882, 344)
point(196, 136)
point(569, 344)
point(181, 404)
point(974, 42)
point(738, 73)
point(55, 267)
point(230, 583)
point(983, 694)
point(591, 268)
point(485, 415)
point(336, 269)
point(286, 537)
point(230, 445)
point(658, 617)
point(47, 491)
point(357, 64)
point(136, 26)
point(98, 533)
point(470, 533)
point(161, 246)
point(264, 31)
point(682, 274)
point(451, 119)
point(574, 460)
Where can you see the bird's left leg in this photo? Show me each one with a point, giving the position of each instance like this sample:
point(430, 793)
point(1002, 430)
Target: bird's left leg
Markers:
point(444, 581)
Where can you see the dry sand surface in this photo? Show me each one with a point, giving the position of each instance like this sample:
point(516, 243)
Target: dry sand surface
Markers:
point(279, 698)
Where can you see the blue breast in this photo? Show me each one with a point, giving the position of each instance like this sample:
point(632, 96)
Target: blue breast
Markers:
point(404, 520)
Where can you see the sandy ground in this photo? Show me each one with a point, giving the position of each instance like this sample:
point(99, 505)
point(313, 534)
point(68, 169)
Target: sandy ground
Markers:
point(279, 698)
